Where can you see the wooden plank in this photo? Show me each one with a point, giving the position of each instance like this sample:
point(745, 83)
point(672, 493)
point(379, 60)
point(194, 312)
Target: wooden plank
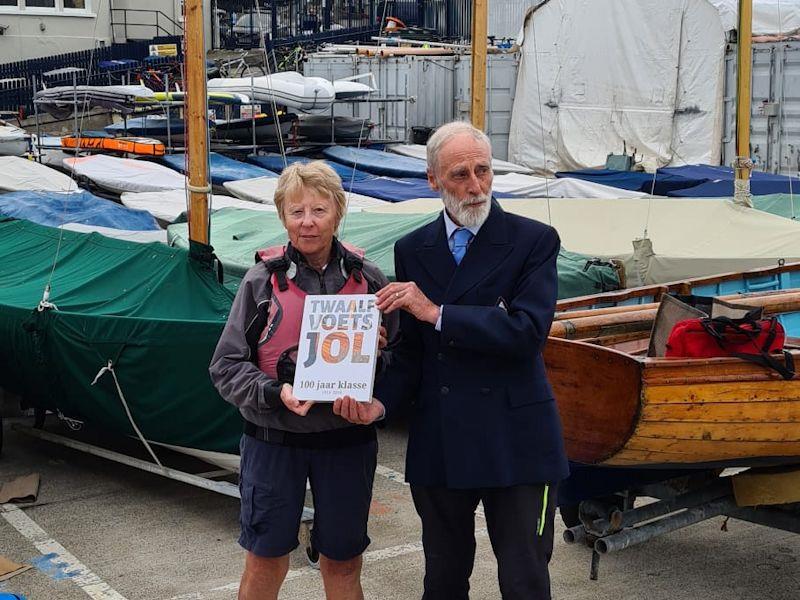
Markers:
point(757, 488)
point(659, 451)
point(719, 432)
point(479, 41)
point(778, 411)
point(744, 392)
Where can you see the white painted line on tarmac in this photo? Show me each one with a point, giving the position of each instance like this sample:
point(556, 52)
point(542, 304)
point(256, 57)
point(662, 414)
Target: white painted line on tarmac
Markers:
point(369, 557)
point(400, 478)
point(75, 571)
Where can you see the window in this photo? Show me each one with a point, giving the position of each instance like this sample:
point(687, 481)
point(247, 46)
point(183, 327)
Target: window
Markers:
point(48, 7)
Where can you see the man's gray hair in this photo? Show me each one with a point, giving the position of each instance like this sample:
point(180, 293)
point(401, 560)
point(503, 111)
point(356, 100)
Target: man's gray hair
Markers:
point(448, 131)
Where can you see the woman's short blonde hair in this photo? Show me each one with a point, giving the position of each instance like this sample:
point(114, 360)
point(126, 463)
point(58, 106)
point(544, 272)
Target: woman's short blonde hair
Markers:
point(316, 176)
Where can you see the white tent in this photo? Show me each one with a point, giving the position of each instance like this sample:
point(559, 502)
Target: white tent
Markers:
point(167, 206)
point(596, 75)
point(125, 174)
point(19, 174)
point(687, 238)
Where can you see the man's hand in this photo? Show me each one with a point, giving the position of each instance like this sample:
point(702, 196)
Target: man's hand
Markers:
point(360, 413)
point(409, 297)
point(382, 341)
point(298, 407)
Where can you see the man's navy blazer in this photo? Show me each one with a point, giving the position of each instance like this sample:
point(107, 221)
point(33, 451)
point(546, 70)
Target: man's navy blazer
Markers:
point(482, 410)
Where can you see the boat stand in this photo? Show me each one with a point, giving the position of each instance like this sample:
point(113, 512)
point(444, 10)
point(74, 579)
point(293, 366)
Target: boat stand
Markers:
point(605, 528)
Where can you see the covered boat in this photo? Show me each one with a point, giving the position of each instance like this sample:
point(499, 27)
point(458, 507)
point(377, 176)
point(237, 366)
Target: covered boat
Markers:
point(684, 238)
point(239, 233)
point(222, 168)
point(266, 128)
point(420, 152)
point(14, 141)
point(58, 208)
point(20, 174)
point(378, 162)
point(118, 175)
point(62, 101)
point(289, 89)
point(168, 205)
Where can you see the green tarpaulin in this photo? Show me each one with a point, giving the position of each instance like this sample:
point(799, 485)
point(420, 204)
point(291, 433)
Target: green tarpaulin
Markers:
point(782, 205)
point(237, 233)
point(147, 308)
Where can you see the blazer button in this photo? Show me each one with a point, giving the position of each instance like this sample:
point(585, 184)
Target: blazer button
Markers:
point(485, 391)
point(451, 343)
point(444, 390)
point(440, 356)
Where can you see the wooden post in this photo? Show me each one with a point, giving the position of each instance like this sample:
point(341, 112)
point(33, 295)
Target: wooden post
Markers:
point(196, 122)
point(479, 36)
point(744, 64)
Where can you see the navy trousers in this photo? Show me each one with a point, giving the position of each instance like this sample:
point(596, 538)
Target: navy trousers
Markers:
point(519, 520)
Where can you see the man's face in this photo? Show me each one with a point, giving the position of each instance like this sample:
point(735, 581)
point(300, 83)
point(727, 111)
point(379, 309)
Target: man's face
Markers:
point(464, 179)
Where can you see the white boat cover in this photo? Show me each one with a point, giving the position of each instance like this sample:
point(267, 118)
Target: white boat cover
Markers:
point(143, 237)
point(345, 88)
point(168, 205)
point(19, 174)
point(653, 81)
point(690, 238)
point(13, 140)
point(419, 151)
point(288, 89)
point(532, 186)
point(125, 174)
point(11, 133)
point(262, 189)
point(61, 101)
point(770, 17)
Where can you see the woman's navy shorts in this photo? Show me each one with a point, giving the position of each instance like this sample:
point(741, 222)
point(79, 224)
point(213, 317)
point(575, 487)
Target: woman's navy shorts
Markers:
point(272, 483)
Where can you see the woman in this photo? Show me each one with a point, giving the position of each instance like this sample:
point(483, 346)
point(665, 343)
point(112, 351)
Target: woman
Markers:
point(286, 440)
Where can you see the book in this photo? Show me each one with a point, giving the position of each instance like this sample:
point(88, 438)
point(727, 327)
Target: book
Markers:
point(338, 348)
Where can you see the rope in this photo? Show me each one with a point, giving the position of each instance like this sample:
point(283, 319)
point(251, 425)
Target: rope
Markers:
point(263, 47)
point(109, 368)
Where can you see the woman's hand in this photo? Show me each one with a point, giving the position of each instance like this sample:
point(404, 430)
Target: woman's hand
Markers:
point(298, 407)
point(360, 413)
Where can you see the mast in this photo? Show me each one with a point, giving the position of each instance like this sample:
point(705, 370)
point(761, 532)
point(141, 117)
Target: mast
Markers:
point(479, 35)
point(196, 123)
point(743, 164)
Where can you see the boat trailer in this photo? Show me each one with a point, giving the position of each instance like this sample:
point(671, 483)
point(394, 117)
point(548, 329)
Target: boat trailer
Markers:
point(769, 497)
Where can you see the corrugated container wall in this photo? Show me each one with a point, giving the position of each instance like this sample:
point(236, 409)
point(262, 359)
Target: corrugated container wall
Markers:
point(438, 89)
point(453, 18)
point(775, 107)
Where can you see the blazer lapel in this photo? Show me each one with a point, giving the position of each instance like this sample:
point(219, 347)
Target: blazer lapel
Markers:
point(489, 248)
point(435, 255)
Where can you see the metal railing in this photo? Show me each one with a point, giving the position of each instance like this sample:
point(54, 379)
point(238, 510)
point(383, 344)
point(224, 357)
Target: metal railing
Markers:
point(238, 24)
point(19, 80)
point(162, 24)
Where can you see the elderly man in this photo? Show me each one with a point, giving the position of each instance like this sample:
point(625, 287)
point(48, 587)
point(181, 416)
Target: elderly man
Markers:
point(477, 289)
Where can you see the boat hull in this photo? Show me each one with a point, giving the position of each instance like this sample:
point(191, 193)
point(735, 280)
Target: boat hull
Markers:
point(656, 412)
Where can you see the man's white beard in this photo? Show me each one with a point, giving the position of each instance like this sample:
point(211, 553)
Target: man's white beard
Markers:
point(464, 214)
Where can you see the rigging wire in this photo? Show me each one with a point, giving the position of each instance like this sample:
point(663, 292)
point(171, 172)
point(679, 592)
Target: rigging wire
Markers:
point(45, 302)
point(263, 47)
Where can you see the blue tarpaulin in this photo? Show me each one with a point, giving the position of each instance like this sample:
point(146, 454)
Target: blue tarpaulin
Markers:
point(58, 208)
point(391, 189)
point(378, 162)
point(222, 168)
point(718, 182)
point(636, 180)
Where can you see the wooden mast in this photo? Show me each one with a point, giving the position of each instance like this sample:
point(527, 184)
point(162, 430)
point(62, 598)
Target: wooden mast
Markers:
point(479, 36)
point(743, 163)
point(196, 122)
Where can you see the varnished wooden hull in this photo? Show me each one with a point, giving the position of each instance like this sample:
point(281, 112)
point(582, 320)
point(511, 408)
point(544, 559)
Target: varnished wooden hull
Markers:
point(620, 410)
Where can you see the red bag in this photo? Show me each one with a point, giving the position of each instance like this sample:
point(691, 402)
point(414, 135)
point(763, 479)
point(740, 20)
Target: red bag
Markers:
point(746, 338)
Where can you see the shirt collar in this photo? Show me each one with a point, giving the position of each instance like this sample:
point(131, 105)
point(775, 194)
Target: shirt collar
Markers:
point(450, 226)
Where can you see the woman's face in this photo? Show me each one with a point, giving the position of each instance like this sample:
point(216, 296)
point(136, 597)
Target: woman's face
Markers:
point(310, 219)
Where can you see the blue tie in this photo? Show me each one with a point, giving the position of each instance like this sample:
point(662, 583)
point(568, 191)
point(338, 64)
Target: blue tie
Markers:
point(461, 239)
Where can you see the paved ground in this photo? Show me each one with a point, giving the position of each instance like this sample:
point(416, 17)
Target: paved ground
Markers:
point(111, 532)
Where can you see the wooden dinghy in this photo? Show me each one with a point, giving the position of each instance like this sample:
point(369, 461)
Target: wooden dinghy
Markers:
point(139, 146)
point(621, 408)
